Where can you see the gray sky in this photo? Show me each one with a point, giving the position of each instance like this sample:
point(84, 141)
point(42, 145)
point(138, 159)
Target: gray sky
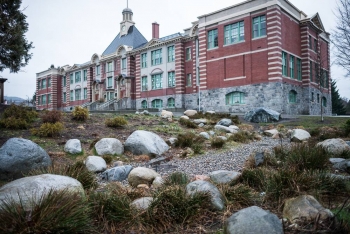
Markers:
point(71, 31)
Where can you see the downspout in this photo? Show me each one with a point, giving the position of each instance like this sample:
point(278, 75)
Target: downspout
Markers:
point(197, 75)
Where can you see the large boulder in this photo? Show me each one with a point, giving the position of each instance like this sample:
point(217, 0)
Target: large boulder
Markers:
point(225, 122)
point(18, 156)
point(305, 208)
point(253, 220)
point(225, 129)
point(95, 164)
point(217, 199)
point(271, 132)
point(300, 135)
point(190, 112)
point(166, 114)
point(31, 189)
point(109, 146)
point(144, 142)
point(343, 165)
point(205, 135)
point(73, 146)
point(142, 175)
point(118, 173)
point(334, 146)
point(142, 203)
point(223, 176)
point(262, 115)
point(200, 121)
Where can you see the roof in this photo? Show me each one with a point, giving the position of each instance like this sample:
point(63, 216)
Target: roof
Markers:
point(134, 38)
point(171, 36)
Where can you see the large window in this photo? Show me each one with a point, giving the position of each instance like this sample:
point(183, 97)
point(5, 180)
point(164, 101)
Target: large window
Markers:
point(85, 93)
point(292, 96)
point(212, 38)
point(49, 82)
point(234, 98)
point(298, 68)
point(71, 79)
point(157, 103)
point(144, 104)
point(144, 83)
point(109, 66)
point(234, 33)
point(64, 81)
point(171, 79)
point(315, 45)
point(109, 82)
point(72, 95)
point(171, 102)
point(189, 80)
point(77, 76)
point(156, 57)
point(324, 102)
point(43, 84)
point(49, 98)
point(284, 63)
point(144, 60)
point(171, 53)
point(259, 26)
point(311, 75)
point(98, 70)
point(157, 81)
point(188, 53)
point(310, 42)
point(124, 63)
point(291, 66)
point(85, 75)
point(43, 100)
point(78, 94)
point(64, 97)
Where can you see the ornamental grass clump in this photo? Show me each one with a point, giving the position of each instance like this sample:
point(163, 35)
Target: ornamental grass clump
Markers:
point(116, 122)
point(177, 178)
point(188, 139)
point(48, 130)
point(81, 114)
point(187, 123)
point(217, 142)
point(242, 137)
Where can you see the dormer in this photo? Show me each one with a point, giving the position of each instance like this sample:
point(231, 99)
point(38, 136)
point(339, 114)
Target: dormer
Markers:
point(127, 21)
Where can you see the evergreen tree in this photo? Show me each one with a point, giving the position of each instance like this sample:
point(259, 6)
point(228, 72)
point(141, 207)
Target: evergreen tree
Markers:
point(14, 47)
point(337, 104)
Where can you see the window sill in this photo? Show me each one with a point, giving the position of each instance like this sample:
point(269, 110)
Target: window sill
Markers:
point(157, 89)
point(236, 104)
point(188, 60)
point(214, 48)
point(257, 38)
point(235, 43)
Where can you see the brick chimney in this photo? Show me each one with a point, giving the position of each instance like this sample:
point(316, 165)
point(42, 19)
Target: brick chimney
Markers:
point(155, 30)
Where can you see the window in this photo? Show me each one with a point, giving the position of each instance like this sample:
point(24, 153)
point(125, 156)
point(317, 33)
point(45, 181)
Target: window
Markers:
point(312, 97)
point(318, 98)
point(71, 78)
point(157, 103)
point(85, 93)
point(189, 80)
point(49, 82)
point(234, 33)
point(291, 66)
point(64, 97)
point(71, 95)
point(64, 81)
point(49, 98)
point(156, 57)
point(298, 68)
point(311, 75)
point(43, 100)
point(109, 66)
point(171, 54)
point(188, 53)
point(310, 42)
point(315, 45)
point(85, 75)
point(43, 83)
point(234, 98)
point(144, 84)
point(317, 73)
point(292, 96)
point(77, 76)
point(109, 82)
point(124, 63)
point(157, 81)
point(144, 104)
point(144, 60)
point(171, 102)
point(259, 26)
point(78, 94)
point(284, 63)
point(324, 102)
point(98, 70)
point(212, 38)
point(171, 79)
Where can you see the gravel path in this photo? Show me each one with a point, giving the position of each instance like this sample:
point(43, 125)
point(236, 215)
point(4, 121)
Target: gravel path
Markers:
point(204, 164)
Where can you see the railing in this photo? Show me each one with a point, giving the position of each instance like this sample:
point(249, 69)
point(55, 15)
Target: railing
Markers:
point(107, 105)
point(86, 104)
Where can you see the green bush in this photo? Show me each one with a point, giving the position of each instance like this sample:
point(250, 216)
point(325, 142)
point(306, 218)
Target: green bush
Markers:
point(13, 123)
point(56, 212)
point(347, 127)
point(241, 136)
point(217, 142)
point(17, 117)
point(116, 122)
point(48, 130)
point(177, 178)
point(187, 123)
point(53, 116)
point(80, 113)
point(188, 139)
point(214, 118)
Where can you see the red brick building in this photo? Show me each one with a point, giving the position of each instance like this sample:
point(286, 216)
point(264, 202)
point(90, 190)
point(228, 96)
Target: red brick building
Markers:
point(258, 53)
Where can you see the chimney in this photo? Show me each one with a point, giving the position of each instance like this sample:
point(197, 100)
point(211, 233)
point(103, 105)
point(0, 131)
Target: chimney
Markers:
point(155, 30)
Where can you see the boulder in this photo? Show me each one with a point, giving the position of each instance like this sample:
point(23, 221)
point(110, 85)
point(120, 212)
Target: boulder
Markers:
point(211, 133)
point(118, 173)
point(222, 137)
point(190, 112)
point(73, 146)
point(343, 166)
point(225, 122)
point(300, 135)
point(234, 127)
point(144, 142)
point(137, 113)
point(304, 209)
point(95, 164)
point(201, 125)
point(271, 132)
point(142, 203)
point(336, 160)
point(19, 156)
point(225, 129)
point(31, 189)
point(348, 142)
point(205, 135)
point(210, 112)
point(334, 146)
point(184, 117)
point(259, 158)
point(145, 112)
point(223, 176)
point(141, 175)
point(201, 177)
point(262, 115)
point(199, 121)
point(172, 140)
point(109, 146)
point(217, 199)
point(253, 220)
point(157, 182)
point(166, 114)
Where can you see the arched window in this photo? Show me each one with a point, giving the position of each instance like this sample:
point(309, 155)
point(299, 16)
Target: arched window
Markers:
point(234, 98)
point(144, 104)
point(157, 103)
point(324, 102)
point(171, 103)
point(292, 96)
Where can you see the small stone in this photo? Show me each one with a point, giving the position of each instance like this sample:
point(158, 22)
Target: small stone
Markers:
point(81, 127)
point(143, 186)
point(201, 177)
point(201, 125)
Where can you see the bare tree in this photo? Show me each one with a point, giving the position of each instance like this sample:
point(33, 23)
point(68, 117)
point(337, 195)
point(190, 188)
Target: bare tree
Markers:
point(341, 35)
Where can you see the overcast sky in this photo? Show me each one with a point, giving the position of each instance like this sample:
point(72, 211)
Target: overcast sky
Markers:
point(71, 31)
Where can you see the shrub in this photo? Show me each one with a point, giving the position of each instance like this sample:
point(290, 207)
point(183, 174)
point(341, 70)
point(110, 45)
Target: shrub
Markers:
point(197, 148)
point(177, 178)
point(13, 123)
point(255, 178)
point(188, 139)
point(56, 212)
point(48, 129)
point(217, 142)
point(80, 113)
point(17, 117)
point(239, 195)
point(116, 122)
point(241, 136)
point(187, 123)
point(347, 127)
point(53, 116)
